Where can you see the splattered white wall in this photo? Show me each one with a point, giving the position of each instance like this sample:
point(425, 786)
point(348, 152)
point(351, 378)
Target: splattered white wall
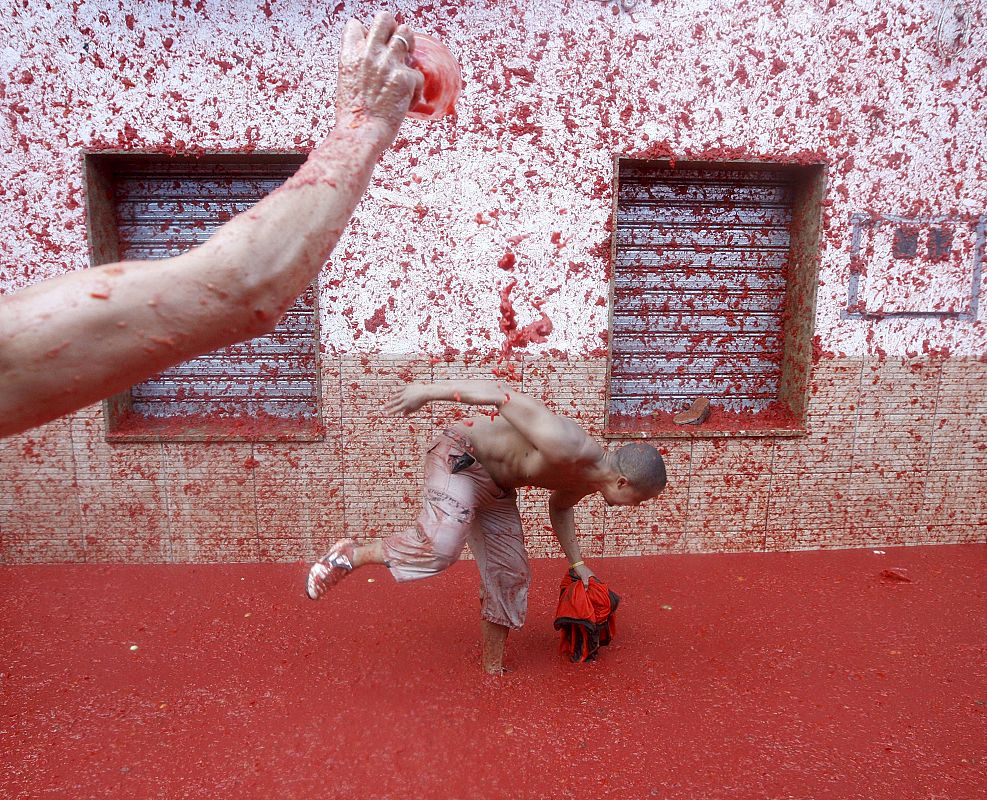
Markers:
point(885, 94)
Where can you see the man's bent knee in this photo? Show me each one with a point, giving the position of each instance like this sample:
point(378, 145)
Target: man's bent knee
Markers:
point(420, 567)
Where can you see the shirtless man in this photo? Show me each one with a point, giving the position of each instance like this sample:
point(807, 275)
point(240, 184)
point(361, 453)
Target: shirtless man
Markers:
point(471, 473)
point(88, 334)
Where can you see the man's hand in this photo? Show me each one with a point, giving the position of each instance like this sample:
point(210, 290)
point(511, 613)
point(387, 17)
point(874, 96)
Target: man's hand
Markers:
point(407, 401)
point(584, 573)
point(375, 84)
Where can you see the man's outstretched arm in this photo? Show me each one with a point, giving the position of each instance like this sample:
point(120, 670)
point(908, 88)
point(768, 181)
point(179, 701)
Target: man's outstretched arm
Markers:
point(556, 437)
point(73, 340)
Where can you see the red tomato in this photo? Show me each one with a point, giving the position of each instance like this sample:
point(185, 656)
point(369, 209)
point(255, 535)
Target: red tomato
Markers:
point(443, 80)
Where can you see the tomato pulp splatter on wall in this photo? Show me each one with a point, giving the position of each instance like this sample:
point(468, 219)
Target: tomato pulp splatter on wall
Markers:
point(537, 331)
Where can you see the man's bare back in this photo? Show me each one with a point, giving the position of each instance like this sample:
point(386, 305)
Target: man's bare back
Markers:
point(525, 444)
point(515, 461)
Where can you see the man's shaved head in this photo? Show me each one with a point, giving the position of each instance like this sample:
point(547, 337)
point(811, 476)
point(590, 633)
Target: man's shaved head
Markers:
point(643, 467)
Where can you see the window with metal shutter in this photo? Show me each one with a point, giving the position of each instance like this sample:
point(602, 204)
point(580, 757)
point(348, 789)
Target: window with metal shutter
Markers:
point(700, 288)
point(162, 207)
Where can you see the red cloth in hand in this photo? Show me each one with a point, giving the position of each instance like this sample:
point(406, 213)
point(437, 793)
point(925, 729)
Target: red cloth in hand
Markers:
point(586, 616)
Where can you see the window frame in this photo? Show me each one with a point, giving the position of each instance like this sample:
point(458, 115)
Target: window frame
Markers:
point(802, 283)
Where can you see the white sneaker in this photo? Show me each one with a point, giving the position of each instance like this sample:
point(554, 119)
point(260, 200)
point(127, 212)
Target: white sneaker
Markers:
point(330, 569)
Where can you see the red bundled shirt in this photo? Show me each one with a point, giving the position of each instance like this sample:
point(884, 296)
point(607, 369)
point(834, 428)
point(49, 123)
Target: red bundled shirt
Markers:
point(586, 616)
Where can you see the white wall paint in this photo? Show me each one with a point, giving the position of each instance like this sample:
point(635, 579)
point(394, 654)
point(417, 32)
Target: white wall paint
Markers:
point(860, 85)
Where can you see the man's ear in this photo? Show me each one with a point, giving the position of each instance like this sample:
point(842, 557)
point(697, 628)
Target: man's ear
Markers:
point(621, 481)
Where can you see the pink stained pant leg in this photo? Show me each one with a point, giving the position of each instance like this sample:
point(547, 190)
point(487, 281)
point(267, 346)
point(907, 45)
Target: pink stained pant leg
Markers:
point(460, 506)
point(496, 540)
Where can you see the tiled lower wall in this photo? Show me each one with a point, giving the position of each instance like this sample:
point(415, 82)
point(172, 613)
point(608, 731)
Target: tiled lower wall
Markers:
point(897, 454)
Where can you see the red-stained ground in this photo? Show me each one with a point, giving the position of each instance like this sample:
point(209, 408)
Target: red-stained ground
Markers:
point(803, 675)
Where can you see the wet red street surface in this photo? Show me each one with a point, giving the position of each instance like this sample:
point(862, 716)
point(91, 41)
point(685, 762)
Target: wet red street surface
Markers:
point(806, 675)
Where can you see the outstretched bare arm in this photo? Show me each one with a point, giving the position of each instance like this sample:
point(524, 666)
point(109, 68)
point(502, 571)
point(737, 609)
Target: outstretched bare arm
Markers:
point(70, 341)
point(472, 393)
point(556, 437)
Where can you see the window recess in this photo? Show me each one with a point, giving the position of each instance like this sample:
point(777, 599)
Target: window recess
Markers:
point(712, 295)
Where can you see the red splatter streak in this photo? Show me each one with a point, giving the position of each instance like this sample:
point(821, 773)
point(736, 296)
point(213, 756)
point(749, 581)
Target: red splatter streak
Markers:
point(377, 321)
point(534, 332)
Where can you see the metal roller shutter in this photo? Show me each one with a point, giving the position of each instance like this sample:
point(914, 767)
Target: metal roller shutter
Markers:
point(165, 207)
point(701, 256)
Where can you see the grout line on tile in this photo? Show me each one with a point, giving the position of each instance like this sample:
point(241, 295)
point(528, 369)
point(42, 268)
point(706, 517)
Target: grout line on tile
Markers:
point(167, 503)
point(81, 533)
